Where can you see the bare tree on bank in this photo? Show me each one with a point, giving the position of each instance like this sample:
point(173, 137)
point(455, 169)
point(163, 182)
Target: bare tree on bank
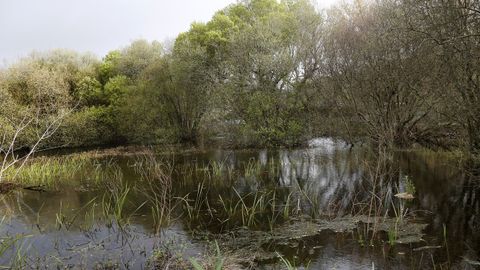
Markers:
point(9, 143)
point(378, 71)
point(34, 100)
point(453, 30)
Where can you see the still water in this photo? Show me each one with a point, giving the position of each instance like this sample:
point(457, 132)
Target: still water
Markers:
point(269, 197)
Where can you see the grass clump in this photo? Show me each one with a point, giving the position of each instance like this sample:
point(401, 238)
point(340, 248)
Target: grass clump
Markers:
point(157, 188)
point(166, 258)
point(52, 172)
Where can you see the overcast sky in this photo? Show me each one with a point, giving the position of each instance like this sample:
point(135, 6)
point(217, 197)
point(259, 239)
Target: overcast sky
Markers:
point(96, 26)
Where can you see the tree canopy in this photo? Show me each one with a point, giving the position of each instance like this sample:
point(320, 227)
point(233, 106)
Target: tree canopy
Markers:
point(270, 73)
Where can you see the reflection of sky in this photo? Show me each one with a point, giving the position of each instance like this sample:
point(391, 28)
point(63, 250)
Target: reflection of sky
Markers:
point(327, 171)
point(48, 246)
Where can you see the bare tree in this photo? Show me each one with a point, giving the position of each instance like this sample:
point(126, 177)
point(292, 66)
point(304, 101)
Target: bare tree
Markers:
point(9, 142)
point(34, 99)
point(453, 30)
point(377, 70)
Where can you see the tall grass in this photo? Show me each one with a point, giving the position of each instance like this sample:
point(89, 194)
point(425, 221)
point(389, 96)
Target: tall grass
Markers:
point(195, 207)
point(250, 211)
point(252, 168)
point(158, 189)
point(261, 208)
point(62, 220)
point(377, 202)
point(75, 169)
point(114, 204)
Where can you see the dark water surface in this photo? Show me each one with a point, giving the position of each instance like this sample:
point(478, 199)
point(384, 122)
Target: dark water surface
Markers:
point(63, 228)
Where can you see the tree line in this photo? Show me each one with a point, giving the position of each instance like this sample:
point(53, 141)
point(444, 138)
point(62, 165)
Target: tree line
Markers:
point(265, 73)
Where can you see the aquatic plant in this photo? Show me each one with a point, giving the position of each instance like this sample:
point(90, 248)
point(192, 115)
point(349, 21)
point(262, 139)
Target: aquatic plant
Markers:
point(114, 203)
point(194, 207)
point(287, 206)
point(156, 174)
point(18, 259)
point(248, 212)
point(273, 167)
point(253, 209)
point(249, 207)
point(445, 244)
point(392, 235)
point(66, 222)
point(15, 245)
point(252, 168)
point(217, 167)
point(377, 200)
point(165, 257)
point(409, 185)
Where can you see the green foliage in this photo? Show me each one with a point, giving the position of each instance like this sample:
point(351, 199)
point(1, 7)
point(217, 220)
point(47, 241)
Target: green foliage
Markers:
point(87, 127)
point(90, 92)
point(288, 264)
point(130, 61)
point(108, 68)
point(116, 88)
point(274, 119)
point(264, 73)
point(233, 69)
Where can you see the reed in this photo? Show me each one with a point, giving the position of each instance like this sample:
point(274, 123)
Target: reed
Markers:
point(156, 173)
point(16, 246)
point(114, 202)
point(230, 209)
point(65, 221)
point(273, 168)
point(193, 207)
point(52, 172)
point(392, 235)
point(252, 168)
point(251, 210)
point(218, 167)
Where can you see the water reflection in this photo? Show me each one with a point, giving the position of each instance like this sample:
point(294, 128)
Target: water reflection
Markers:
point(450, 193)
point(329, 178)
point(326, 179)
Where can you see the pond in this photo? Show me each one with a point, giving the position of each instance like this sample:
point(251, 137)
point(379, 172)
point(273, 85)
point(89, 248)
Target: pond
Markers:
point(323, 207)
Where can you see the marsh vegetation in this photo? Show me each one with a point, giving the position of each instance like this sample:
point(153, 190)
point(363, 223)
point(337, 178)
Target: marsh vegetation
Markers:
point(320, 207)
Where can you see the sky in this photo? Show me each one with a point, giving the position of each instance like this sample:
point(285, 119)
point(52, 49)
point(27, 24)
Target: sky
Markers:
point(97, 26)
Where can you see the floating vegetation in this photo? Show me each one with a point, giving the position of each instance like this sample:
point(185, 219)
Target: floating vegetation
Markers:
point(252, 245)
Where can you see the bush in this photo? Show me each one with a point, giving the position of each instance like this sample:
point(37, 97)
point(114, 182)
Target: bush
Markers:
point(87, 127)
